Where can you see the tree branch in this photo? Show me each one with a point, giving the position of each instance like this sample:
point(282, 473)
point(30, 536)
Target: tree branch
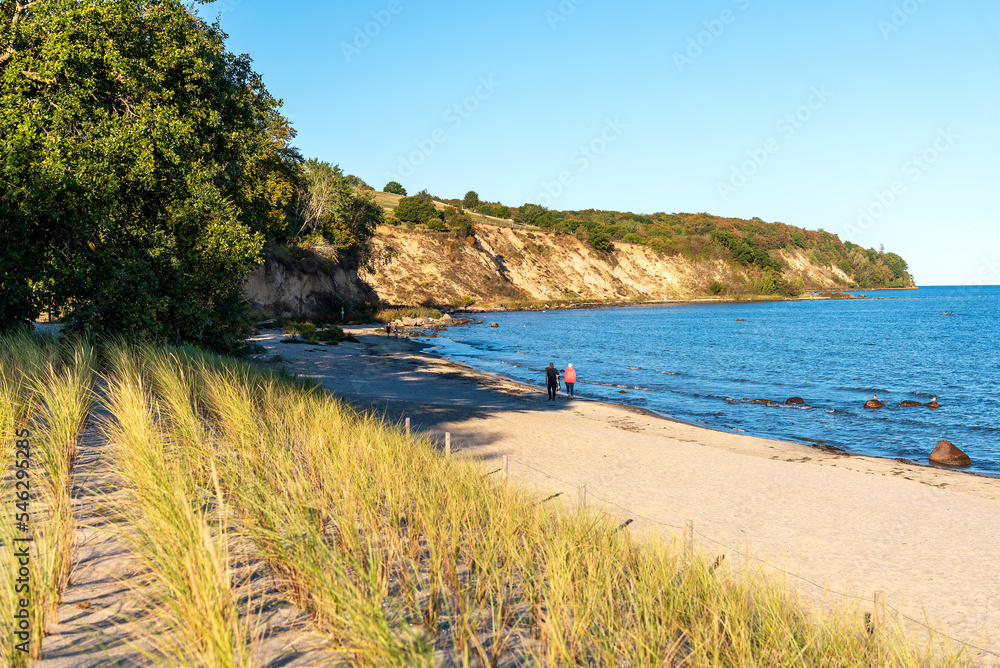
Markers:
point(19, 10)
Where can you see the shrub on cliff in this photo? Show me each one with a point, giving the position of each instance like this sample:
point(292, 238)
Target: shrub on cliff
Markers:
point(328, 206)
point(417, 209)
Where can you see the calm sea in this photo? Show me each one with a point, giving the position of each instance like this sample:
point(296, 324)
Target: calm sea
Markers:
point(699, 363)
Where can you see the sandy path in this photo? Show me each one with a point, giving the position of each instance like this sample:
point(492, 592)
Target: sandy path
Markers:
point(929, 538)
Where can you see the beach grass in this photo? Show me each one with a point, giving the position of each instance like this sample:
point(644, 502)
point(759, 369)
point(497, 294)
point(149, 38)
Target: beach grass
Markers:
point(175, 515)
point(45, 398)
point(402, 557)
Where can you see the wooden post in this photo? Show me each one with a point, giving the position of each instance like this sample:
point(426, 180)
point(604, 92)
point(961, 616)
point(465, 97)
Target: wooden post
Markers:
point(689, 535)
point(503, 468)
point(878, 612)
point(447, 445)
point(407, 426)
point(581, 493)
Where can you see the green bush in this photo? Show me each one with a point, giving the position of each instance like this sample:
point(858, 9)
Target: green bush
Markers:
point(395, 188)
point(417, 209)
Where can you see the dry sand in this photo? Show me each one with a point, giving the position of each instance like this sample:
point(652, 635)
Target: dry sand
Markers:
point(842, 526)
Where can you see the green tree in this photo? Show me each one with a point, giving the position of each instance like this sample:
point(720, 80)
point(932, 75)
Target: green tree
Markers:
point(896, 265)
point(331, 206)
point(417, 209)
point(395, 188)
point(530, 214)
point(471, 200)
point(142, 166)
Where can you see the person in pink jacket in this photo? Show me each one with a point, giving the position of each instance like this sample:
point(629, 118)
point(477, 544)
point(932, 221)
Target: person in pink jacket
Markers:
point(569, 377)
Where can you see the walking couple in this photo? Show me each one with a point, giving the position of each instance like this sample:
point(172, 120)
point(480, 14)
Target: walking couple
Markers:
point(552, 381)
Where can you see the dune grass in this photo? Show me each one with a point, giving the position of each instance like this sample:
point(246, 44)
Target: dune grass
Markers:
point(45, 397)
point(176, 515)
point(401, 557)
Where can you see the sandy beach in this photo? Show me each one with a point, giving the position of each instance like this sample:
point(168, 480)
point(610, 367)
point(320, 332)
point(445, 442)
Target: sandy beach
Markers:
point(841, 526)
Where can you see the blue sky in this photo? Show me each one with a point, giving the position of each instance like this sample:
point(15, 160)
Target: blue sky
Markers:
point(876, 120)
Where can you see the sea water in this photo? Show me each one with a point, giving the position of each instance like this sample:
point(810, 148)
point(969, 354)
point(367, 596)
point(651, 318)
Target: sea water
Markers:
point(706, 363)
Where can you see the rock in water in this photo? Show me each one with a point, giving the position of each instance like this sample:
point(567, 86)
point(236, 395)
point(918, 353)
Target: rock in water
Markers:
point(946, 454)
point(874, 403)
point(908, 403)
point(494, 325)
point(932, 404)
point(795, 400)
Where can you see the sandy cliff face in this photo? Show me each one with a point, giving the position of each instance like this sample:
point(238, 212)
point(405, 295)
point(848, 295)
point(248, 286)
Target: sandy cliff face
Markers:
point(315, 293)
point(505, 265)
point(527, 264)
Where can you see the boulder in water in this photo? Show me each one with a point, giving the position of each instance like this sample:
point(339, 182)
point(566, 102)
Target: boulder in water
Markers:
point(494, 325)
point(947, 454)
point(909, 404)
point(874, 403)
point(795, 400)
point(932, 404)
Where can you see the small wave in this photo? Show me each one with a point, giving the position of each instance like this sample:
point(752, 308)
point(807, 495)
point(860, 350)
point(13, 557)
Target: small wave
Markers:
point(635, 368)
point(670, 373)
point(621, 387)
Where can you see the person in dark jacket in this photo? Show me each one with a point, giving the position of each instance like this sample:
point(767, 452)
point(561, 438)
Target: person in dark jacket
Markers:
point(552, 381)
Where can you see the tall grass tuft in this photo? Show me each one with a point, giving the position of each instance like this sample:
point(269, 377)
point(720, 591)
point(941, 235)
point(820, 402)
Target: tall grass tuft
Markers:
point(176, 514)
point(46, 394)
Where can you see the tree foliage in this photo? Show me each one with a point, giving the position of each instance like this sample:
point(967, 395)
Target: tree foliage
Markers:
point(471, 200)
point(336, 208)
point(142, 166)
point(395, 188)
point(417, 209)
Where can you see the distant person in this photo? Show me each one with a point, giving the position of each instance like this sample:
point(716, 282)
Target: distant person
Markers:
point(552, 381)
point(388, 330)
point(395, 330)
point(569, 377)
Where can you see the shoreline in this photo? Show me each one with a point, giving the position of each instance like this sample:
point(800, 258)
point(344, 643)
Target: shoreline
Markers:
point(851, 524)
point(808, 296)
point(819, 447)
